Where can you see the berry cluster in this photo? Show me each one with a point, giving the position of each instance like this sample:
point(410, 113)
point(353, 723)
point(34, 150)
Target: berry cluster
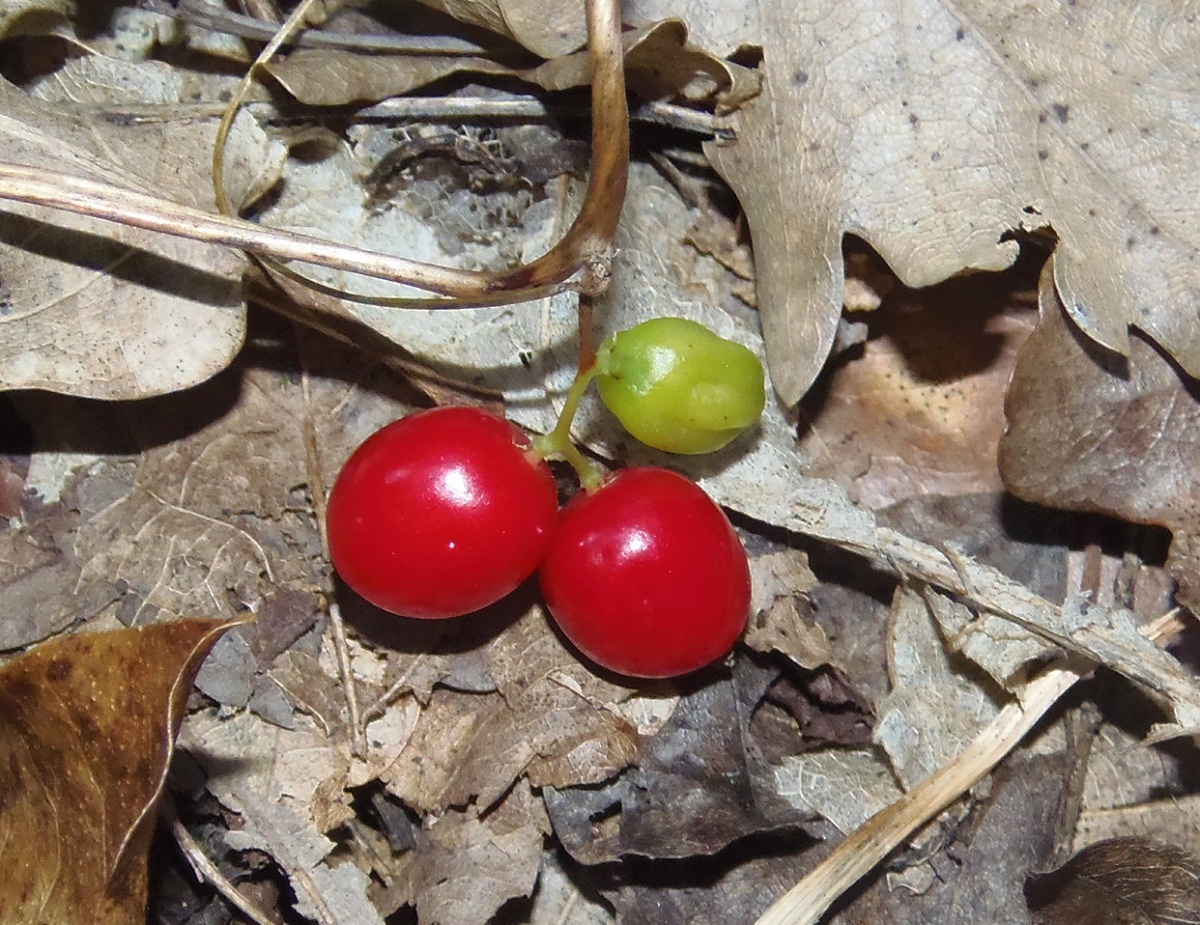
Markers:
point(446, 511)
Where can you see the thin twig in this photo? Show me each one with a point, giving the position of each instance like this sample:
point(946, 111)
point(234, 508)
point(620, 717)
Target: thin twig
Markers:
point(207, 872)
point(447, 108)
point(341, 648)
point(44, 187)
point(316, 488)
point(287, 30)
point(862, 849)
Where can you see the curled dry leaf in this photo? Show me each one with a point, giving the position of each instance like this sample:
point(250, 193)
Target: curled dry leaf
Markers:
point(934, 141)
point(87, 729)
point(659, 63)
point(1124, 881)
point(550, 720)
point(1090, 431)
point(781, 621)
point(701, 785)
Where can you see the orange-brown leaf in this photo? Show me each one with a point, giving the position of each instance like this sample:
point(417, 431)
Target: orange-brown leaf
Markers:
point(87, 727)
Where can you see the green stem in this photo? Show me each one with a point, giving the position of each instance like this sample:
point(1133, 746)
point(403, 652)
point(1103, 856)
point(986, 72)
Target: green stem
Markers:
point(558, 441)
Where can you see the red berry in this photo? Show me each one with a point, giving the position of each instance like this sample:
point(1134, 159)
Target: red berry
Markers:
point(646, 576)
point(441, 513)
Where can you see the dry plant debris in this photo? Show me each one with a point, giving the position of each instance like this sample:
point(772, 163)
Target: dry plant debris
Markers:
point(915, 625)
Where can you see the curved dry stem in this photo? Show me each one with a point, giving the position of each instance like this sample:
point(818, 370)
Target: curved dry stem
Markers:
point(287, 30)
point(587, 245)
point(55, 190)
point(584, 253)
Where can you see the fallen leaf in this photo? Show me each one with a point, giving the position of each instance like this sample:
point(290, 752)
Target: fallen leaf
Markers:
point(467, 866)
point(935, 132)
point(87, 729)
point(33, 581)
point(779, 622)
point(546, 30)
point(104, 310)
point(272, 779)
point(328, 77)
point(846, 786)
point(701, 784)
point(214, 515)
point(1090, 431)
point(658, 63)
point(551, 719)
point(937, 703)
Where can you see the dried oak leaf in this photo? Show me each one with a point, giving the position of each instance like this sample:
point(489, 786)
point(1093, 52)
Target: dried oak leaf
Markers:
point(934, 131)
point(1124, 881)
point(87, 729)
point(1089, 431)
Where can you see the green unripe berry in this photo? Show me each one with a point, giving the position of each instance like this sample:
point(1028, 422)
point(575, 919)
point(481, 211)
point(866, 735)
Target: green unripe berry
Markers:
point(677, 386)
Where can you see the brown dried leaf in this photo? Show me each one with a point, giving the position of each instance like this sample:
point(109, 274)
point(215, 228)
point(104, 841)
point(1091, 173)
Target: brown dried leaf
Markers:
point(701, 785)
point(781, 620)
point(35, 583)
point(546, 29)
point(325, 77)
point(934, 131)
point(919, 411)
point(468, 865)
point(1089, 431)
point(551, 720)
point(284, 784)
point(107, 310)
point(87, 729)
point(659, 63)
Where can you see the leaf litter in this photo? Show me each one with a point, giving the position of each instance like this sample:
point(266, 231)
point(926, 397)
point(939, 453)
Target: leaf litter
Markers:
point(517, 780)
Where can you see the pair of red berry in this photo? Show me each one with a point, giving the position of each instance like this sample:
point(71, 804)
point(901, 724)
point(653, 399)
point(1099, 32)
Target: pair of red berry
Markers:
point(447, 511)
